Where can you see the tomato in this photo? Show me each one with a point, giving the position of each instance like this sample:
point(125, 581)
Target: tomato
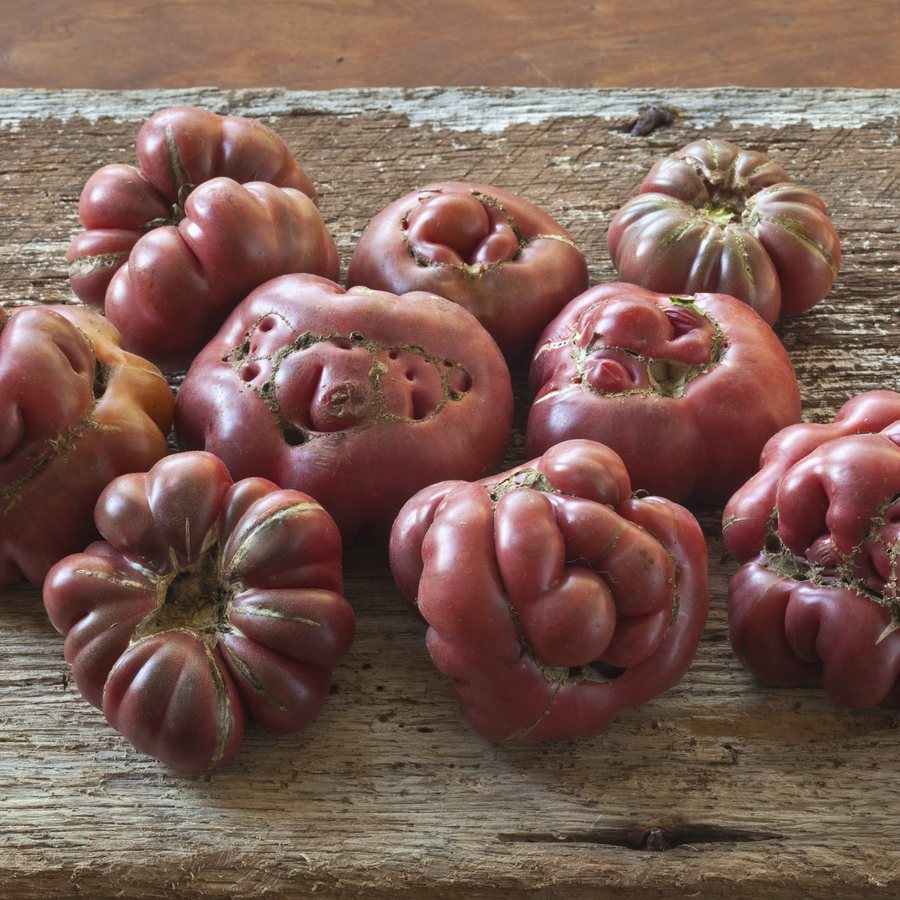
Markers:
point(818, 531)
point(359, 398)
point(208, 601)
point(686, 390)
point(499, 256)
point(554, 597)
point(715, 218)
point(217, 207)
point(76, 411)
point(177, 149)
point(233, 238)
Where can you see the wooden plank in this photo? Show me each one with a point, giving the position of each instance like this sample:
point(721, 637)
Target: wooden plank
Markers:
point(745, 791)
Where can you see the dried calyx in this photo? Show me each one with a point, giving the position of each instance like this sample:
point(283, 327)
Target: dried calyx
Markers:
point(182, 184)
point(193, 599)
point(871, 569)
point(610, 370)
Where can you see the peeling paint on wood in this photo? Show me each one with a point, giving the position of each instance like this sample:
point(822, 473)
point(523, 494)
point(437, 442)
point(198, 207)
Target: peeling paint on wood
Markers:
point(721, 788)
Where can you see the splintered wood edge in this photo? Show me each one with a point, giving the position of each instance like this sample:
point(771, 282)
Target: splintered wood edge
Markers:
point(474, 109)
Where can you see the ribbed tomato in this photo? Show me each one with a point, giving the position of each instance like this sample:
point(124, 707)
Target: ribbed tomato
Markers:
point(208, 601)
point(718, 219)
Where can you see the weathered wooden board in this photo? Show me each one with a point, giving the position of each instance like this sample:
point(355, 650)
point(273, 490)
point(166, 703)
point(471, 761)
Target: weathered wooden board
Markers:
point(742, 791)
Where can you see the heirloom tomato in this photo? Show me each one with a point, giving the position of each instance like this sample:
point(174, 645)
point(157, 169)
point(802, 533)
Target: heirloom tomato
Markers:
point(359, 398)
point(76, 411)
point(686, 390)
point(208, 601)
point(506, 261)
point(217, 207)
point(715, 218)
point(554, 597)
point(818, 531)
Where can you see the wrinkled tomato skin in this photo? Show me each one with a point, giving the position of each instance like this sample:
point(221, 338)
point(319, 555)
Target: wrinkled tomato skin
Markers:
point(358, 398)
point(554, 598)
point(503, 259)
point(207, 603)
point(818, 533)
point(687, 390)
point(217, 207)
point(713, 218)
point(76, 411)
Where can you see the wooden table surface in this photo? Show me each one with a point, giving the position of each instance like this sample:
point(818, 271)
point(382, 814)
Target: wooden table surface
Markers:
point(749, 793)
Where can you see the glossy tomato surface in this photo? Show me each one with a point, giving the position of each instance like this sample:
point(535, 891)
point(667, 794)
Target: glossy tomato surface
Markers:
point(76, 411)
point(687, 390)
point(554, 597)
point(178, 149)
point(181, 282)
point(359, 398)
point(208, 601)
point(818, 531)
point(716, 218)
point(503, 259)
point(217, 206)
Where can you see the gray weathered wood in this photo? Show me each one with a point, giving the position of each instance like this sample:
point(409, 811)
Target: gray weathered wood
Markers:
point(752, 792)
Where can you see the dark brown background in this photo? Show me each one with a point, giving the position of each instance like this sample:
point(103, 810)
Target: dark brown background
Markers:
point(531, 43)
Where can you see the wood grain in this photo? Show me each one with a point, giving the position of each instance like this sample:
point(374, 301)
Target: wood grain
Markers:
point(311, 44)
point(720, 788)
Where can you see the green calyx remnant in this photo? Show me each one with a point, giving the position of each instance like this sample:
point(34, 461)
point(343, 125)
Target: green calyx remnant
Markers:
point(721, 214)
point(293, 434)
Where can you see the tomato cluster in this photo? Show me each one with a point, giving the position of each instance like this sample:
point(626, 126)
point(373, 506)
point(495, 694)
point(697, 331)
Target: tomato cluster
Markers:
point(556, 593)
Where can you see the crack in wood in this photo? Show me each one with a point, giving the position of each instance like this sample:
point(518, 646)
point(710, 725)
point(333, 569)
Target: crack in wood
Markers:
point(658, 837)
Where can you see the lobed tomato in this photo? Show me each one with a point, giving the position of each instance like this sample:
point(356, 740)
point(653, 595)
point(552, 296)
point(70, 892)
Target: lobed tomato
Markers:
point(208, 601)
point(686, 390)
point(818, 531)
point(359, 398)
point(76, 411)
point(554, 597)
point(499, 256)
point(218, 206)
point(715, 218)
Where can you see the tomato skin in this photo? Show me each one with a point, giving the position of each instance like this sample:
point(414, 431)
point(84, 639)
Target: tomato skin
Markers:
point(715, 218)
point(208, 601)
point(76, 411)
point(554, 598)
point(497, 255)
point(686, 390)
point(359, 398)
point(818, 533)
point(217, 206)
